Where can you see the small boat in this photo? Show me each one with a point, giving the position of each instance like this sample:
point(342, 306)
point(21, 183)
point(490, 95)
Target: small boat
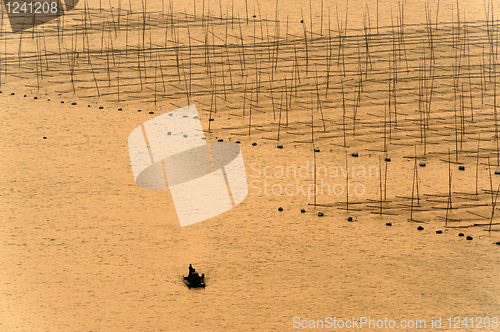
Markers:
point(194, 280)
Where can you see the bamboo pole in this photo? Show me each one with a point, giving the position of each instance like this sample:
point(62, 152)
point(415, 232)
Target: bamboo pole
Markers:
point(347, 182)
point(380, 182)
point(449, 203)
point(315, 183)
point(477, 163)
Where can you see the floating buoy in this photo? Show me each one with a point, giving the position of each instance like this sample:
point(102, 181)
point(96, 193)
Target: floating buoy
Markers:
point(87, 105)
point(469, 237)
point(462, 168)
point(185, 135)
point(237, 142)
point(280, 209)
point(101, 107)
point(62, 101)
point(388, 223)
point(497, 172)
point(320, 214)
point(301, 21)
point(498, 243)
point(460, 234)
point(12, 93)
point(422, 164)
point(349, 219)
point(139, 110)
point(420, 228)
point(254, 16)
point(316, 149)
point(439, 232)
point(280, 146)
point(35, 97)
point(25, 96)
point(169, 133)
point(120, 109)
point(387, 159)
point(44, 137)
point(302, 210)
point(220, 140)
point(184, 116)
point(73, 103)
point(355, 154)
point(151, 112)
point(254, 144)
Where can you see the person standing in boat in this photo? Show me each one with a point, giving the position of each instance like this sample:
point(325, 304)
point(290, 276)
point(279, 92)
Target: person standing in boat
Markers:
point(191, 270)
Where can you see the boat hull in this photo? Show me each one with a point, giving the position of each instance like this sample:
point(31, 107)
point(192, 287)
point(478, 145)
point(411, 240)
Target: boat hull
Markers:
point(197, 283)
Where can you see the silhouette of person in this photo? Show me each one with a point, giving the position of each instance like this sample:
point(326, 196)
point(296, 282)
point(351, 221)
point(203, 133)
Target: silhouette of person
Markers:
point(191, 269)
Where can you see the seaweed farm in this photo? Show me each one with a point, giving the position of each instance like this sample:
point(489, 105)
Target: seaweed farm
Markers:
point(393, 120)
point(431, 86)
